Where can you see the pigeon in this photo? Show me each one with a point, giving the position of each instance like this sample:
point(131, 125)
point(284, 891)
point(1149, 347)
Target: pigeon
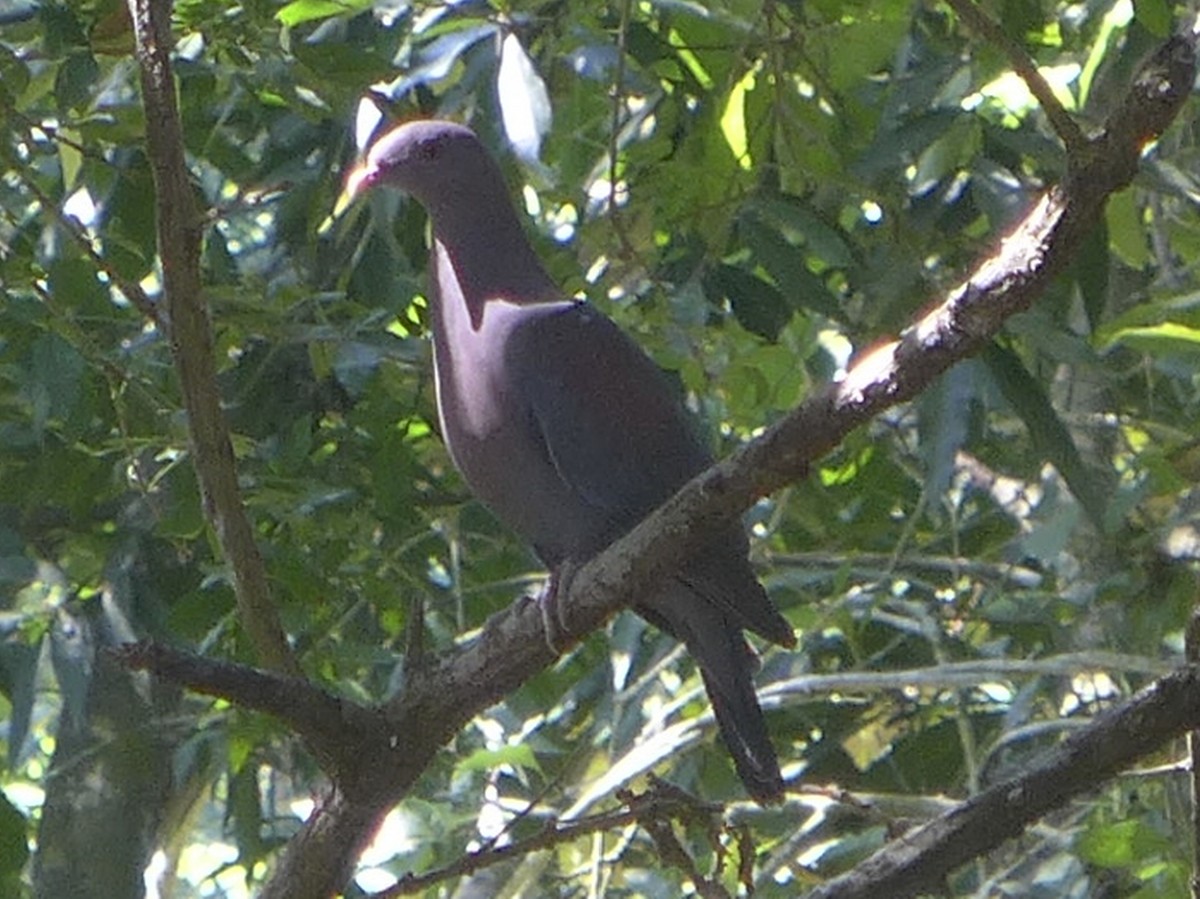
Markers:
point(564, 427)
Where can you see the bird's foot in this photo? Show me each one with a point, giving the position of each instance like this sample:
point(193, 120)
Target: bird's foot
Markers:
point(553, 618)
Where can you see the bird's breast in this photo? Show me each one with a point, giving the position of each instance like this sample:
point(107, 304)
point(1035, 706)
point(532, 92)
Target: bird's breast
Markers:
point(476, 398)
point(486, 422)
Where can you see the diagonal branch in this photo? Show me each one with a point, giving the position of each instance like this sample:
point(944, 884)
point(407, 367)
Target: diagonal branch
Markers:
point(919, 861)
point(1060, 120)
point(179, 237)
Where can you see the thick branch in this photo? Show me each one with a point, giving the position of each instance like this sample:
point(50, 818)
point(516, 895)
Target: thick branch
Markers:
point(340, 733)
point(179, 235)
point(319, 859)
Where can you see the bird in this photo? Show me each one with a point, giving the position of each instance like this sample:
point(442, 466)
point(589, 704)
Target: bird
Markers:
point(563, 426)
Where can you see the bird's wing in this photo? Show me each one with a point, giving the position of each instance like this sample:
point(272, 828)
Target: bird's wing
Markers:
point(612, 426)
point(617, 434)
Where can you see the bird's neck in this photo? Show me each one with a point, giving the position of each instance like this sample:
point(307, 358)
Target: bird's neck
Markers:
point(482, 245)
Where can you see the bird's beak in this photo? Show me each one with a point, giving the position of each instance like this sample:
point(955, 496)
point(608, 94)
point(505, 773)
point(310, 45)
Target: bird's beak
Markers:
point(355, 183)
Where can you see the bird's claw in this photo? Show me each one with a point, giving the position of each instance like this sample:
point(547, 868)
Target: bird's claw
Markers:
point(553, 617)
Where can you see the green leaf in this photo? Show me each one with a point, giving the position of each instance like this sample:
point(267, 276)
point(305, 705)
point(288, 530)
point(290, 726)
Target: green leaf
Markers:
point(53, 379)
point(1020, 18)
point(245, 813)
point(894, 147)
point(74, 285)
point(520, 756)
point(76, 78)
point(130, 218)
point(1167, 339)
point(1111, 845)
point(733, 120)
point(1182, 308)
point(1049, 435)
point(942, 425)
point(859, 48)
point(1155, 16)
point(946, 155)
point(1126, 230)
point(14, 74)
point(300, 11)
point(1091, 269)
point(61, 28)
point(14, 840)
point(785, 263)
point(758, 306)
point(180, 514)
point(799, 224)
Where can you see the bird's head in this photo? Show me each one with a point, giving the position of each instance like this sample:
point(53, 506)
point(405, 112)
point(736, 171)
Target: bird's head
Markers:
point(431, 160)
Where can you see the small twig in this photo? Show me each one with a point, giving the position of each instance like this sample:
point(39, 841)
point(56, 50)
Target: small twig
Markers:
point(131, 289)
point(1064, 126)
point(51, 131)
point(618, 102)
point(671, 852)
point(915, 566)
point(653, 809)
point(248, 200)
point(959, 675)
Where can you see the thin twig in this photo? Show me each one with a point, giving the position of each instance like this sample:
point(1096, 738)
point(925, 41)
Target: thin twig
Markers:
point(652, 809)
point(131, 289)
point(1023, 64)
point(618, 104)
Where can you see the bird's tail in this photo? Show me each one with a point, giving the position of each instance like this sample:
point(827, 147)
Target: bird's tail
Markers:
point(727, 665)
point(743, 729)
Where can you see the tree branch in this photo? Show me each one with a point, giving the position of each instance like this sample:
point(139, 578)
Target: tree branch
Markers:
point(179, 237)
point(659, 805)
point(919, 861)
point(1060, 120)
point(338, 732)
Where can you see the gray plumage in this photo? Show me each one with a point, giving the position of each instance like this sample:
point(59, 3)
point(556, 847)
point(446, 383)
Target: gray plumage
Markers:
point(563, 426)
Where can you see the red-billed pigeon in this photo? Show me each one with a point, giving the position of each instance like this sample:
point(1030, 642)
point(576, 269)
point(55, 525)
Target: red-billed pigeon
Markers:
point(563, 426)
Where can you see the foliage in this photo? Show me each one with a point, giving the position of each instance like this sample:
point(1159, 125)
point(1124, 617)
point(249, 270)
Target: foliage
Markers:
point(790, 181)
